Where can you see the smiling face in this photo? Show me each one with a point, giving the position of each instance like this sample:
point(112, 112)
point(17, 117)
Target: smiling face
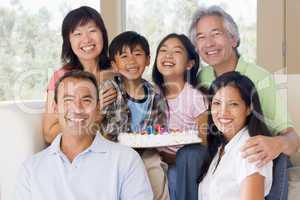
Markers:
point(172, 59)
point(76, 105)
point(131, 63)
point(215, 44)
point(86, 41)
point(229, 111)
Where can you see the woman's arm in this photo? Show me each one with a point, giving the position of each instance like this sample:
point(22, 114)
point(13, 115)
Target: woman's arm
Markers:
point(201, 121)
point(51, 127)
point(253, 187)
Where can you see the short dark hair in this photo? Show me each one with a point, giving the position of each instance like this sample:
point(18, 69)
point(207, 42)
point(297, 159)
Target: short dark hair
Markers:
point(81, 16)
point(127, 39)
point(77, 74)
point(254, 122)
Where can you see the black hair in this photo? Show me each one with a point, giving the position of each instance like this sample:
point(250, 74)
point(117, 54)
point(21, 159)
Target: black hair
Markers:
point(77, 74)
point(77, 17)
point(127, 39)
point(254, 122)
point(191, 74)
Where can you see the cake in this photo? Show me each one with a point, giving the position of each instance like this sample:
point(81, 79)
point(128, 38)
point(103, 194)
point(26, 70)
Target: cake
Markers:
point(148, 139)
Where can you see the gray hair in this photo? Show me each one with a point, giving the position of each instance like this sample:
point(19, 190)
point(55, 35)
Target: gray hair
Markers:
point(228, 21)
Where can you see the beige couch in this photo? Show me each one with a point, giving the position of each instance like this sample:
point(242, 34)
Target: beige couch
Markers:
point(20, 125)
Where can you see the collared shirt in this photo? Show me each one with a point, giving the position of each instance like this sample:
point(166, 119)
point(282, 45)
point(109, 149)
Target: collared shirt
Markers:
point(118, 117)
point(224, 180)
point(273, 105)
point(104, 171)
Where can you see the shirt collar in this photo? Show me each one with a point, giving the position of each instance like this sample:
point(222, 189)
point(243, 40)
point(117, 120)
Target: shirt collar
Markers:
point(235, 139)
point(99, 145)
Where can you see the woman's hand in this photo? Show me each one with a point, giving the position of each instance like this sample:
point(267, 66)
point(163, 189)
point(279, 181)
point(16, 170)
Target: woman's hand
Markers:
point(107, 95)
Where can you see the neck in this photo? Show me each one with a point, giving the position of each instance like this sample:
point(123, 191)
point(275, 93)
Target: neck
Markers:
point(227, 66)
point(72, 145)
point(173, 86)
point(90, 66)
point(134, 88)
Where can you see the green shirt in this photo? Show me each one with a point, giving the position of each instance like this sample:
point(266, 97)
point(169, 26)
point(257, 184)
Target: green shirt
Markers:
point(273, 106)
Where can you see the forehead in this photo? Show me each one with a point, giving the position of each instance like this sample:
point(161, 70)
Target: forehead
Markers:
point(228, 93)
point(173, 41)
point(210, 23)
point(85, 23)
point(76, 87)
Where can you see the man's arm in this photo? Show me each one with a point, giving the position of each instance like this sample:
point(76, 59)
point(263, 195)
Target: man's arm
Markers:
point(263, 149)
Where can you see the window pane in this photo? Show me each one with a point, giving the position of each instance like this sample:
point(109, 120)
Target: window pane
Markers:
point(31, 44)
point(156, 19)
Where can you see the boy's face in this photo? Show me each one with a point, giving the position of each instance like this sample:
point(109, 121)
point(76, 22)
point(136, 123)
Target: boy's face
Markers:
point(131, 63)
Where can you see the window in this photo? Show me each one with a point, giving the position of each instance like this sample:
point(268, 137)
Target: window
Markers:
point(156, 19)
point(31, 44)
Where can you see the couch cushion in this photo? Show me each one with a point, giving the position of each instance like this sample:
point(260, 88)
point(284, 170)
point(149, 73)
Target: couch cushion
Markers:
point(21, 137)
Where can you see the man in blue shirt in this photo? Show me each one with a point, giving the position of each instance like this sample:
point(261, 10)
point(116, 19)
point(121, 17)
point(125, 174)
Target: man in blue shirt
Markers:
point(80, 163)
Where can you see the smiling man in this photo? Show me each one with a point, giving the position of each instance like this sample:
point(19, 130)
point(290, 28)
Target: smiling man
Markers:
point(216, 38)
point(80, 163)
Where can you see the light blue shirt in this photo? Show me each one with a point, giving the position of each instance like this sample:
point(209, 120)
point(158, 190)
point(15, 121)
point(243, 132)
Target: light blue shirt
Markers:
point(138, 110)
point(104, 171)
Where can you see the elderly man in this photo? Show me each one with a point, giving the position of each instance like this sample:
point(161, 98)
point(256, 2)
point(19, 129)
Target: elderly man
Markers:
point(216, 38)
point(80, 163)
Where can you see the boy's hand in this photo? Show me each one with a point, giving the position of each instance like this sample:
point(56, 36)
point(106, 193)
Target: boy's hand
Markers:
point(108, 95)
point(170, 159)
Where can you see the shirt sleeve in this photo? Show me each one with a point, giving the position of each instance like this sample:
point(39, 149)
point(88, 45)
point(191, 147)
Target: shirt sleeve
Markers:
point(273, 104)
point(23, 190)
point(199, 103)
point(135, 184)
point(246, 169)
point(56, 76)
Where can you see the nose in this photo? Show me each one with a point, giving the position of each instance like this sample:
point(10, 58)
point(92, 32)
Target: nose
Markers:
point(169, 54)
point(78, 106)
point(224, 109)
point(86, 37)
point(209, 41)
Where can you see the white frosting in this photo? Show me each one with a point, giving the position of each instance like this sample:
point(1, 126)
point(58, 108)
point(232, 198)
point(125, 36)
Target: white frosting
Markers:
point(136, 140)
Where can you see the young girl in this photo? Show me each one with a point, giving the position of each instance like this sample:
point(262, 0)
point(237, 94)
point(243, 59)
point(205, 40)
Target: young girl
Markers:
point(235, 115)
point(85, 47)
point(174, 72)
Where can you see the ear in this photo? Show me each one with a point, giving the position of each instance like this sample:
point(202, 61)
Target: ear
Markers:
point(114, 66)
point(191, 63)
point(234, 42)
point(248, 111)
point(148, 58)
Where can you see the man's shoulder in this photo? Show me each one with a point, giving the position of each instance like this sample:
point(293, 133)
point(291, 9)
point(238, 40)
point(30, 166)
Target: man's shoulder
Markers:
point(255, 72)
point(36, 159)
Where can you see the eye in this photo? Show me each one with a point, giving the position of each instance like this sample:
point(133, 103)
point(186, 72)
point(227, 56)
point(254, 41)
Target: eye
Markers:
point(68, 99)
point(123, 55)
point(217, 33)
point(215, 103)
point(200, 37)
point(234, 104)
point(162, 50)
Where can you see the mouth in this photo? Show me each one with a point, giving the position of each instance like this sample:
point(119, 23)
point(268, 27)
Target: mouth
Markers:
point(168, 64)
point(212, 52)
point(225, 121)
point(76, 119)
point(88, 48)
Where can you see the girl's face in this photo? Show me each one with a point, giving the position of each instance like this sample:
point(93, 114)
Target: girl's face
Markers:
point(86, 41)
point(172, 59)
point(229, 111)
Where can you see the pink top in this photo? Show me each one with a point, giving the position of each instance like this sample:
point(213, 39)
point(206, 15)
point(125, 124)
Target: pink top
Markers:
point(57, 75)
point(184, 110)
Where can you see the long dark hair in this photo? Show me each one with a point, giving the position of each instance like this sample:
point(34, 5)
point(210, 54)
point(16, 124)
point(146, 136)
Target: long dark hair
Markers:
point(190, 75)
point(254, 122)
point(81, 16)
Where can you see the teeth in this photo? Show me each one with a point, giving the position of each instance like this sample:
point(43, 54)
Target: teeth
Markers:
point(212, 52)
point(168, 64)
point(225, 121)
point(88, 48)
point(76, 119)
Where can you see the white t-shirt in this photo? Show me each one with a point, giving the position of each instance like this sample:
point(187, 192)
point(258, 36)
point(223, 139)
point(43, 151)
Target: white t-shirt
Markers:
point(225, 182)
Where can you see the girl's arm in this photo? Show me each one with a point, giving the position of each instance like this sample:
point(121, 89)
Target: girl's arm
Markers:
point(253, 187)
point(201, 121)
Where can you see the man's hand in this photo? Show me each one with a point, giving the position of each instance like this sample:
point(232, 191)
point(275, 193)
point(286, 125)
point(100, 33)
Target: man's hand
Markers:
point(262, 149)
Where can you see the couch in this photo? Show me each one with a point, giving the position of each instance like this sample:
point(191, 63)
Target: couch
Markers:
point(20, 125)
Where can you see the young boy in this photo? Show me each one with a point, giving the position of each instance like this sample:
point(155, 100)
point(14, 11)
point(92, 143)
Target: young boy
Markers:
point(138, 104)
